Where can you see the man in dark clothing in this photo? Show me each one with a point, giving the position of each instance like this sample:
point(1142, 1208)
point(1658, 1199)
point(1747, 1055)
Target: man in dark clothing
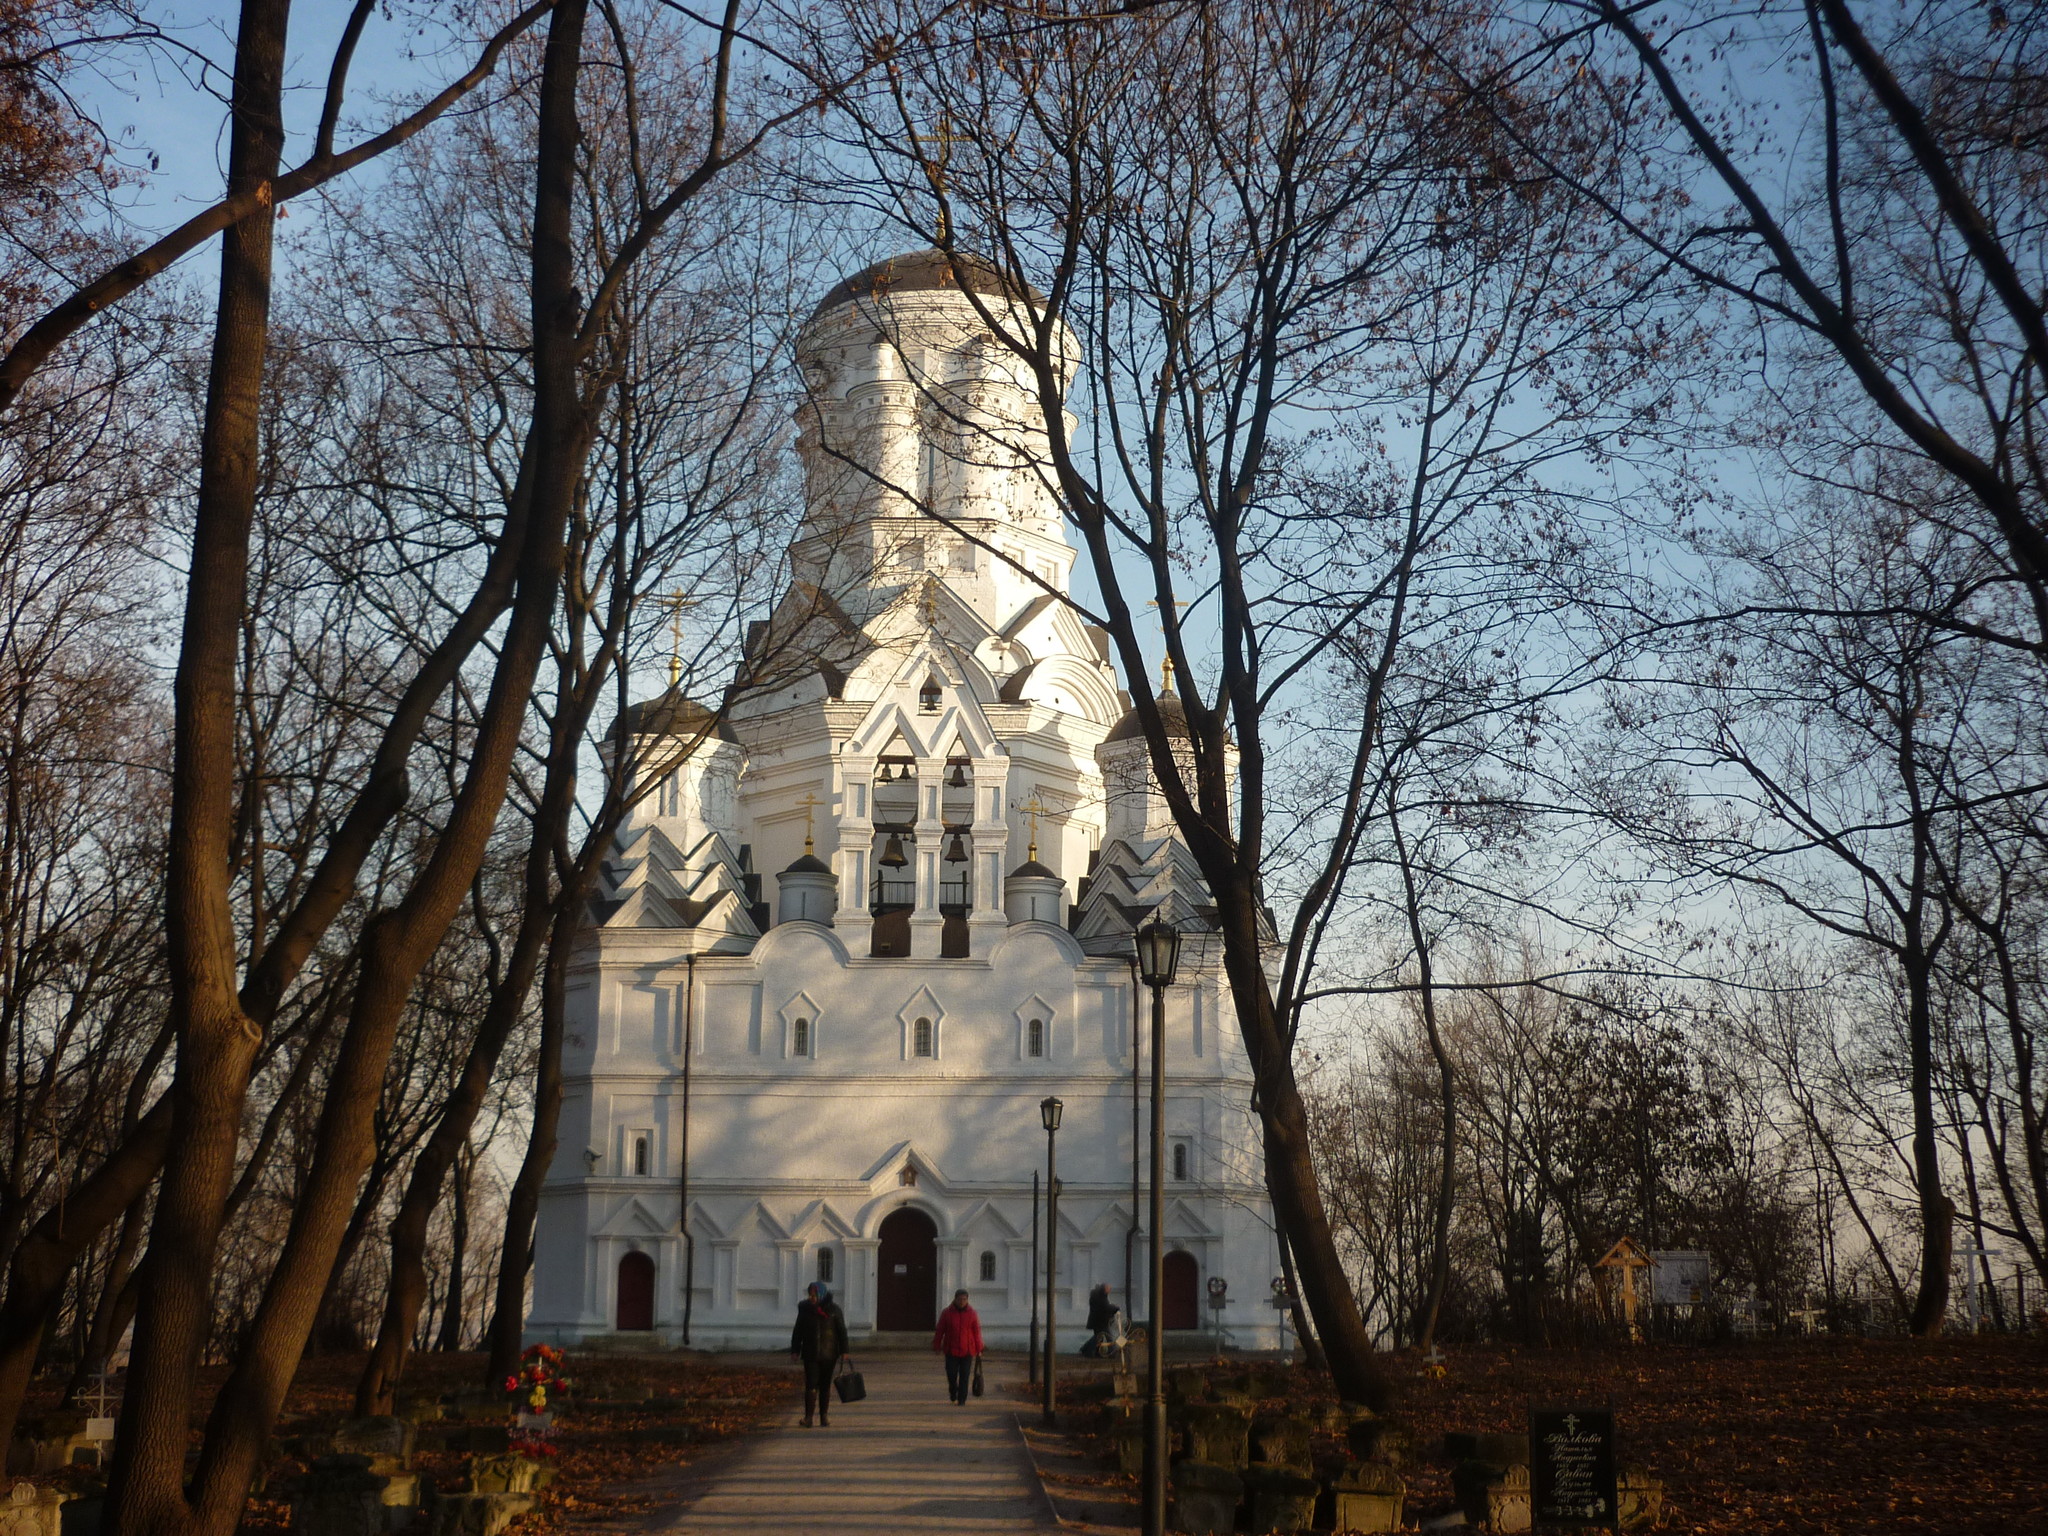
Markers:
point(819, 1340)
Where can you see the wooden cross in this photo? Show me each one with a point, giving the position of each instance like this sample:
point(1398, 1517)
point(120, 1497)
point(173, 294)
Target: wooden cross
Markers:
point(1627, 1257)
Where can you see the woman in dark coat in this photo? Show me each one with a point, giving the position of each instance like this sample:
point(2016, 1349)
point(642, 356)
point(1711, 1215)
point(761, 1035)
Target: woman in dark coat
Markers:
point(819, 1340)
point(1101, 1323)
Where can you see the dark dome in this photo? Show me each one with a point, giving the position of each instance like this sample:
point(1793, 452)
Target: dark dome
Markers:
point(1032, 871)
point(809, 864)
point(668, 714)
point(1171, 714)
point(927, 269)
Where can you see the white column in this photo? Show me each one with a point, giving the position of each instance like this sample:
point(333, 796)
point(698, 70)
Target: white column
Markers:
point(927, 923)
point(851, 860)
point(991, 854)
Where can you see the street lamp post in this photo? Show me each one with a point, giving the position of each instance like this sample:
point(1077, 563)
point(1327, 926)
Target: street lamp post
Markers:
point(1049, 1113)
point(1158, 948)
point(1034, 1277)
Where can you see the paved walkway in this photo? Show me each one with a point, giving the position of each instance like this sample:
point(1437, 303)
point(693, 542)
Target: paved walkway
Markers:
point(903, 1460)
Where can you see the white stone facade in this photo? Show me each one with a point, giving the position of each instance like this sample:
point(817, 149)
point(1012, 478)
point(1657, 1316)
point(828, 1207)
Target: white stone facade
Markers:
point(964, 837)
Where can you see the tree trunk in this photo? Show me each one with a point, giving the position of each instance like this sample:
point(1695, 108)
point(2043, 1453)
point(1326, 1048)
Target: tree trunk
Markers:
point(458, 1255)
point(216, 1041)
point(508, 1318)
point(1447, 1168)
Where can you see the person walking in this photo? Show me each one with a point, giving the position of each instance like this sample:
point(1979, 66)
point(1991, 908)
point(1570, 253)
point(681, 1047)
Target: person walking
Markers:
point(819, 1340)
point(958, 1338)
point(1102, 1329)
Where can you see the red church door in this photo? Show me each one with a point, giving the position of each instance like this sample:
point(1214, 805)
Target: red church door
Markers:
point(636, 1293)
point(906, 1299)
point(1183, 1309)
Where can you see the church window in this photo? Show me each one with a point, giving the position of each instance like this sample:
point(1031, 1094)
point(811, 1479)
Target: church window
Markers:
point(988, 1266)
point(825, 1265)
point(671, 795)
point(800, 1037)
point(921, 1038)
point(1034, 1038)
point(640, 1154)
point(1180, 1162)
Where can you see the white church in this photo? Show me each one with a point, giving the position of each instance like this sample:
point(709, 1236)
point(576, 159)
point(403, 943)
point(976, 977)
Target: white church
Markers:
point(855, 933)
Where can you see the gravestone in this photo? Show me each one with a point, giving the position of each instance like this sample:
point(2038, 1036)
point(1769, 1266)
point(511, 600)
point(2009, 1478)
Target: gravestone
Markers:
point(1492, 1495)
point(1639, 1497)
point(340, 1496)
point(32, 1511)
point(386, 1440)
point(1282, 1500)
point(1205, 1498)
point(505, 1474)
point(1216, 1434)
point(1379, 1440)
point(478, 1514)
point(1572, 1480)
point(1281, 1442)
point(1369, 1497)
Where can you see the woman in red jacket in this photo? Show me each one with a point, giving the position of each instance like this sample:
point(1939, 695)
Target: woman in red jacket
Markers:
point(959, 1340)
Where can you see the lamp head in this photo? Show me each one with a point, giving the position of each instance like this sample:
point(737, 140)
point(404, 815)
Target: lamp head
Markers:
point(1049, 1111)
point(591, 1158)
point(1158, 946)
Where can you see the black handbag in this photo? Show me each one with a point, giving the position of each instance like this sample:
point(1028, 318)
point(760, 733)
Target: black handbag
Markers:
point(849, 1383)
point(977, 1376)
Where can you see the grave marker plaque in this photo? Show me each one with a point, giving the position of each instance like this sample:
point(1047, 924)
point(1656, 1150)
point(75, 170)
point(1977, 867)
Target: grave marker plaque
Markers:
point(1571, 1468)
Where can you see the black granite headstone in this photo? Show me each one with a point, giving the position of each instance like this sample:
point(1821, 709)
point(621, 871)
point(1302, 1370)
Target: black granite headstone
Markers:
point(1571, 1467)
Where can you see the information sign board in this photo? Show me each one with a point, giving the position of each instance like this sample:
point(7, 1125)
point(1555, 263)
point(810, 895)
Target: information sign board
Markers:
point(1680, 1279)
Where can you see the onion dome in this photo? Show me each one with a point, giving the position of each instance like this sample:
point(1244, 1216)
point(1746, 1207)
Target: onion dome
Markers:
point(926, 271)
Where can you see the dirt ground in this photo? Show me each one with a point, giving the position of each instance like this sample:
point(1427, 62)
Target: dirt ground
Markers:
point(1823, 1437)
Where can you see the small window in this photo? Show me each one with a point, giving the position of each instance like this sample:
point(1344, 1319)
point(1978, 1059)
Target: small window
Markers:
point(1180, 1162)
point(671, 795)
point(640, 1155)
point(988, 1266)
point(921, 1038)
point(1034, 1038)
point(800, 1037)
point(825, 1265)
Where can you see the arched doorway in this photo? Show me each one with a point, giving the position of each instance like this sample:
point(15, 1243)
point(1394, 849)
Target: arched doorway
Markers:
point(636, 1293)
point(1183, 1309)
point(907, 1295)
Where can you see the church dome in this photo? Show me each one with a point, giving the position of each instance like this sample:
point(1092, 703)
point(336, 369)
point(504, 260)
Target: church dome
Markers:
point(925, 271)
point(1172, 714)
point(669, 714)
point(809, 864)
point(1032, 871)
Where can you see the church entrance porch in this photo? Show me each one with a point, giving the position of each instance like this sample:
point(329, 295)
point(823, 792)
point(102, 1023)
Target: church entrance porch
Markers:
point(906, 1291)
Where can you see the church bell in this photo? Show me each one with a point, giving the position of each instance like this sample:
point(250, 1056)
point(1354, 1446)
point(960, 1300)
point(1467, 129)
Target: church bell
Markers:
point(956, 851)
point(892, 852)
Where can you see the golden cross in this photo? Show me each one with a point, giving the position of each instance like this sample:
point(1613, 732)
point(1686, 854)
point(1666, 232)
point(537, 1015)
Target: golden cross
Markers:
point(1035, 810)
point(1166, 663)
point(935, 171)
point(810, 799)
point(675, 603)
